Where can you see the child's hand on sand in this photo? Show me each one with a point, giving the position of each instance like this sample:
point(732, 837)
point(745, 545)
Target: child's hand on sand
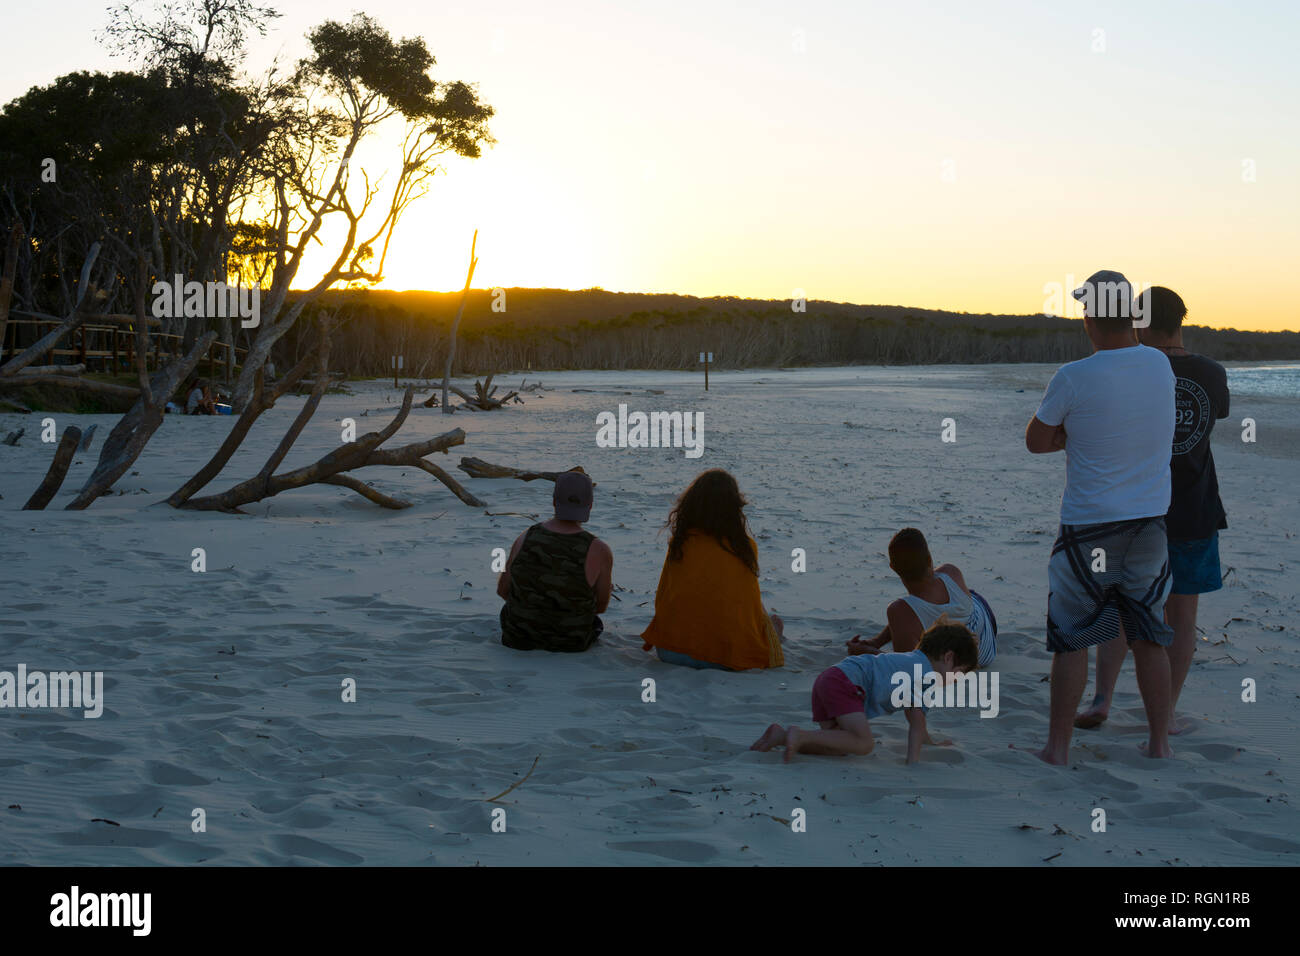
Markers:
point(856, 645)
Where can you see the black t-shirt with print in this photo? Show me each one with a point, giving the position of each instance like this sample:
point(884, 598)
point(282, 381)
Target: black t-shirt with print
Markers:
point(1200, 397)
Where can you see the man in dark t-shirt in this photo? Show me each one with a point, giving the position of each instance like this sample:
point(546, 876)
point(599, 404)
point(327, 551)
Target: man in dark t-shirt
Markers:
point(1195, 512)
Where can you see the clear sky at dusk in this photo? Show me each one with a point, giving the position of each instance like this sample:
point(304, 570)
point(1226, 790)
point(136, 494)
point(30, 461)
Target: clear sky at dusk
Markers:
point(949, 155)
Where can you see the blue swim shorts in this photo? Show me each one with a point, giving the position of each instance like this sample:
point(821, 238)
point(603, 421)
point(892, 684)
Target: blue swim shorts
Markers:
point(1195, 564)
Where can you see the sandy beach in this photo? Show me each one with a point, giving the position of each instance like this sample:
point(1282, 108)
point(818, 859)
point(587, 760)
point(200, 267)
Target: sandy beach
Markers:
point(222, 689)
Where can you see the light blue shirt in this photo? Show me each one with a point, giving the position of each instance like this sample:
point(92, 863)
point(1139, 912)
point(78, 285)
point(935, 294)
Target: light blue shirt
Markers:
point(874, 673)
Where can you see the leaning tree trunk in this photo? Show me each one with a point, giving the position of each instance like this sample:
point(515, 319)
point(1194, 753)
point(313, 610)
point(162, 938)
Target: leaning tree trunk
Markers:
point(127, 439)
point(451, 347)
point(7, 282)
point(58, 470)
point(75, 318)
point(254, 359)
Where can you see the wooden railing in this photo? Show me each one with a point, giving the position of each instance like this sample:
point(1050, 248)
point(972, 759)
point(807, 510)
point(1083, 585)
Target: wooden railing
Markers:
point(113, 346)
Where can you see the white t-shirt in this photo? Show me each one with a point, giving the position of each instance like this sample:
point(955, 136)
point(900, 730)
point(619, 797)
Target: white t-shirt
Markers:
point(1117, 407)
point(192, 402)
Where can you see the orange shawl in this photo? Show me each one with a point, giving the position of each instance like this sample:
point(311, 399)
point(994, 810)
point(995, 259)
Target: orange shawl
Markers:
point(709, 607)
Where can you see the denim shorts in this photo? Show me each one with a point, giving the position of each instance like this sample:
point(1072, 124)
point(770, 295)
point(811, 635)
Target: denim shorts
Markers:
point(1195, 564)
point(675, 657)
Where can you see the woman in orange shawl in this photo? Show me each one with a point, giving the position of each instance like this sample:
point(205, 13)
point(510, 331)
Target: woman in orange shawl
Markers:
point(708, 610)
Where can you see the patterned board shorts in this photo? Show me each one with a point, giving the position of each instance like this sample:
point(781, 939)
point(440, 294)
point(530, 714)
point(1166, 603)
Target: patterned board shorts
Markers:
point(1094, 591)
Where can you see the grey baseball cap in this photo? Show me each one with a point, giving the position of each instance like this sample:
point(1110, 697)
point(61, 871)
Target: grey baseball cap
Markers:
point(1110, 294)
point(573, 494)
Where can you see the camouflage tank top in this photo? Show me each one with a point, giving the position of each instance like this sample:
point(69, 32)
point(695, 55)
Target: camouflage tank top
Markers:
point(550, 606)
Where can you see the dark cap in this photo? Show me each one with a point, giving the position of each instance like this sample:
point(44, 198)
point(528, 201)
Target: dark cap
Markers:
point(573, 496)
point(1106, 295)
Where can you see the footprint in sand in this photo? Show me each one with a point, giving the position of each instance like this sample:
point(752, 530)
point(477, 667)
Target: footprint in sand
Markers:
point(300, 847)
point(683, 851)
point(1220, 753)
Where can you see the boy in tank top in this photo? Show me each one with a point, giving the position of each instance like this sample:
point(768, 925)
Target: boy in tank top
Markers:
point(931, 594)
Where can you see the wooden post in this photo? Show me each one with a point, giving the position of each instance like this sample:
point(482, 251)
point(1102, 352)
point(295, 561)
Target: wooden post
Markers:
point(117, 367)
point(81, 347)
point(706, 358)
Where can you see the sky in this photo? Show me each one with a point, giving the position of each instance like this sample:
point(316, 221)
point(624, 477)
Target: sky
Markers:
point(972, 156)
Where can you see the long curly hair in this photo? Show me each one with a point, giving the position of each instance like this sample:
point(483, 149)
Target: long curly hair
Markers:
point(713, 505)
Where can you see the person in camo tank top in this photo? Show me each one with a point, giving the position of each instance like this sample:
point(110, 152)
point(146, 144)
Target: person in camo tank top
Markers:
point(558, 577)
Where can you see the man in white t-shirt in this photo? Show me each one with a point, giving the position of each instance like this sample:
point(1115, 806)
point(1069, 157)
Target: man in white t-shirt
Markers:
point(1113, 415)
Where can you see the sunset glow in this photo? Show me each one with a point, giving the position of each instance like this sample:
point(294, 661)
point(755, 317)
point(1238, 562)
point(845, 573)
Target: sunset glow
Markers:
point(873, 153)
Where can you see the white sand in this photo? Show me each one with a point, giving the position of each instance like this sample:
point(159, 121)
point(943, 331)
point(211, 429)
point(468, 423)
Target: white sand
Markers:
point(223, 689)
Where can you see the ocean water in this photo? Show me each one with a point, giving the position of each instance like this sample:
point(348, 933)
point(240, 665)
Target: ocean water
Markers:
point(1276, 381)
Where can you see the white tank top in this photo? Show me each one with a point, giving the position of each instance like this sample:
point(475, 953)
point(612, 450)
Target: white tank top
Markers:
point(961, 609)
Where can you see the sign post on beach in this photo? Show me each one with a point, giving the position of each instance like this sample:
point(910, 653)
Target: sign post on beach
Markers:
point(706, 358)
point(399, 361)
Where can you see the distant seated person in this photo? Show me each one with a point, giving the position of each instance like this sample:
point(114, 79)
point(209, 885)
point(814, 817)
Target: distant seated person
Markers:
point(931, 593)
point(558, 577)
point(709, 613)
point(200, 400)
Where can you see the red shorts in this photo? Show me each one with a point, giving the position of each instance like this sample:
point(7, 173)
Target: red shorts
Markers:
point(833, 695)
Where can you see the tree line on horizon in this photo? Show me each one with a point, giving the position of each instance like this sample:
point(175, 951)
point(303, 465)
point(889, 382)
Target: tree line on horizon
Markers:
point(595, 329)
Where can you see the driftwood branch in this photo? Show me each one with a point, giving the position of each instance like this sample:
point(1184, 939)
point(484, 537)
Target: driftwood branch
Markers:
point(456, 487)
point(304, 416)
point(259, 403)
point(361, 453)
point(70, 382)
point(482, 400)
point(58, 470)
point(478, 468)
point(363, 489)
point(54, 370)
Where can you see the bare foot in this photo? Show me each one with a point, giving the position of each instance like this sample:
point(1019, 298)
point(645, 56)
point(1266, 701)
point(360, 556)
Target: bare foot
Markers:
point(1094, 716)
point(791, 743)
point(1181, 725)
point(1045, 755)
point(774, 736)
point(1165, 751)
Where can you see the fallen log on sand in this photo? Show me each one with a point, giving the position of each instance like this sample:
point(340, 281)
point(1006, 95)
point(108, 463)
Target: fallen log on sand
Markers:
point(72, 382)
point(478, 468)
point(53, 370)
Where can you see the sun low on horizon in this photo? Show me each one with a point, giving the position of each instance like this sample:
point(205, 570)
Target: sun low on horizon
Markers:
point(949, 157)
